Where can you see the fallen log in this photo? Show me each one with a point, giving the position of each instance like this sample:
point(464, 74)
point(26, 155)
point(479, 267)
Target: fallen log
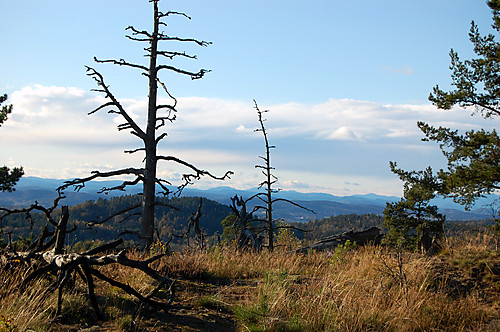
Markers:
point(65, 266)
point(372, 235)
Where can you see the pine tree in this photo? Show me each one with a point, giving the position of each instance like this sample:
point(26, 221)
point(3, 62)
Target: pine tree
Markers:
point(474, 156)
point(8, 177)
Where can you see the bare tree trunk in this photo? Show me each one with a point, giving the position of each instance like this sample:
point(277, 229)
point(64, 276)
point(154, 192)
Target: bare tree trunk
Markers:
point(61, 231)
point(269, 210)
point(268, 184)
point(148, 198)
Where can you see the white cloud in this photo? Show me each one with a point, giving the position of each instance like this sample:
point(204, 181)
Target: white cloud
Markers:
point(50, 133)
point(345, 134)
point(294, 184)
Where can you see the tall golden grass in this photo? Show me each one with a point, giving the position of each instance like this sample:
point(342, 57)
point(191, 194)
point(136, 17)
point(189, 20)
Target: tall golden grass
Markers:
point(365, 289)
point(362, 289)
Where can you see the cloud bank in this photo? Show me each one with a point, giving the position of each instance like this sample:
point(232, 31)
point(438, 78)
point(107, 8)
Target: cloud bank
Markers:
point(340, 146)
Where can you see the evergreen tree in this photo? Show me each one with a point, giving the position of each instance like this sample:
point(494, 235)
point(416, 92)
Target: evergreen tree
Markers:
point(229, 230)
point(413, 222)
point(8, 177)
point(473, 157)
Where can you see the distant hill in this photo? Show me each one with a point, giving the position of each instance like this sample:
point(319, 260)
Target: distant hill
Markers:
point(30, 189)
point(169, 221)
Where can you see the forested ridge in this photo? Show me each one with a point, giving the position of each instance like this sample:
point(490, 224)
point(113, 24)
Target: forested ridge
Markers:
point(89, 217)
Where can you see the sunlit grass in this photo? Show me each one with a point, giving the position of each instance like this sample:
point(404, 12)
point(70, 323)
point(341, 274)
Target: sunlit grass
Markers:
point(352, 289)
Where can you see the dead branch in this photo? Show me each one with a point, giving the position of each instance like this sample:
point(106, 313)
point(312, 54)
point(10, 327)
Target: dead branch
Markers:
point(122, 186)
point(122, 62)
point(194, 222)
point(202, 43)
point(293, 203)
point(160, 14)
point(136, 32)
point(129, 290)
point(168, 93)
point(194, 76)
point(79, 183)
point(64, 265)
point(36, 207)
point(114, 102)
point(188, 178)
point(134, 150)
point(116, 214)
point(171, 55)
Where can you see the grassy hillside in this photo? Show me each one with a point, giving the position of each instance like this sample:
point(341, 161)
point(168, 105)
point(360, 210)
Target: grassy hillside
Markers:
point(351, 289)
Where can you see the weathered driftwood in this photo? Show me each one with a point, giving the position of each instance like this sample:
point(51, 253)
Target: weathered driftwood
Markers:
point(65, 266)
point(83, 265)
point(371, 235)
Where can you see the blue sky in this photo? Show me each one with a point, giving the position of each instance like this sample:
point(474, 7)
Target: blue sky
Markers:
point(345, 83)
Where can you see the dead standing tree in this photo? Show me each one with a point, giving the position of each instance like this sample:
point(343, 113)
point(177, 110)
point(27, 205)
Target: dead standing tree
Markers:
point(157, 116)
point(194, 227)
point(267, 196)
point(245, 237)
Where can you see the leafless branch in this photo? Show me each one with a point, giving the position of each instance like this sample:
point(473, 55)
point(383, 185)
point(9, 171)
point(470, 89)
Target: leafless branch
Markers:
point(136, 32)
point(109, 104)
point(128, 209)
point(202, 43)
point(134, 150)
point(194, 76)
point(36, 207)
point(160, 14)
point(199, 172)
point(159, 138)
point(293, 203)
point(168, 93)
point(114, 102)
point(171, 54)
point(79, 183)
point(189, 178)
point(161, 182)
point(122, 62)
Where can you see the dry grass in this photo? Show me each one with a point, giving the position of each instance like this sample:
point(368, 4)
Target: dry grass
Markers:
point(367, 289)
point(370, 288)
point(34, 308)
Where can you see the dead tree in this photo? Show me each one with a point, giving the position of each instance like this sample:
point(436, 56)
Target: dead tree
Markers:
point(157, 116)
point(270, 179)
point(245, 238)
point(371, 235)
point(194, 224)
point(194, 227)
point(47, 257)
point(48, 213)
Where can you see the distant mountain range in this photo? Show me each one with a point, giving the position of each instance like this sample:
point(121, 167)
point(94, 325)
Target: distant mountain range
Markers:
point(31, 189)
